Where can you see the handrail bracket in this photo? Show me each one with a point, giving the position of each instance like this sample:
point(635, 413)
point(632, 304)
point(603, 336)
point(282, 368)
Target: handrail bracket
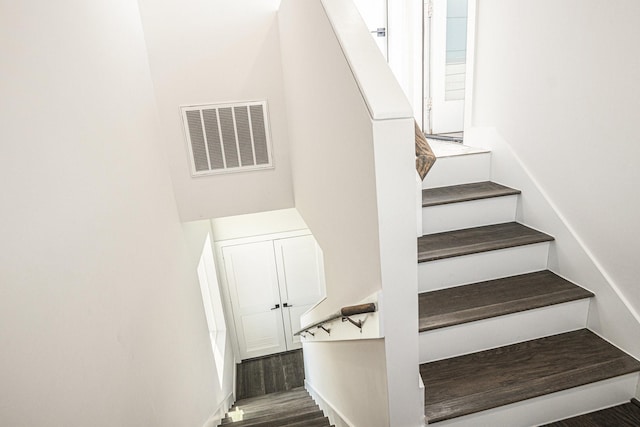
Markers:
point(328, 331)
point(357, 324)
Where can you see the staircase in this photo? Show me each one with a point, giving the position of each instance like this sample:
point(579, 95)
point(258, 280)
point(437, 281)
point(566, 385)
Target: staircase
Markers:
point(294, 408)
point(503, 340)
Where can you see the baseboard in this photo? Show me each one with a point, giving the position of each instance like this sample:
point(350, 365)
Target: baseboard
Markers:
point(336, 418)
point(216, 418)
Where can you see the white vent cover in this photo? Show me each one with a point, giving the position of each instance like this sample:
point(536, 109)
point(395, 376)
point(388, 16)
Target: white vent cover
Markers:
point(225, 138)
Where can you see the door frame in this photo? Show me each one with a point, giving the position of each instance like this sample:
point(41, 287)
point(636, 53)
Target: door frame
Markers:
point(405, 49)
point(222, 275)
point(366, 17)
point(470, 61)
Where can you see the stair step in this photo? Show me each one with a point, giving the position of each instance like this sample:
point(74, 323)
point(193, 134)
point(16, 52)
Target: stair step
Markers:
point(449, 272)
point(464, 192)
point(316, 418)
point(276, 416)
point(625, 415)
point(279, 410)
point(476, 240)
point(318, 422)
point(257, 408)
point(274, 398)
point(493, 378)
point(467, 205)
point(288, 408)
point(474, 166)
point(483, 300)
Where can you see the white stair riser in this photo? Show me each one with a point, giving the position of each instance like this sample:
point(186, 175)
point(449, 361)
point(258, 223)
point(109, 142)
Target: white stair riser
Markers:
point(461, 270)
point(555, 406)
point(474, 213)
point(502, 330)
point(455, 170)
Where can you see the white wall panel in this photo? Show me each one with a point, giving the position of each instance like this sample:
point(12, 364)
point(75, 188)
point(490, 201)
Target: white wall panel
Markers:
point(216, 52)
point(101, 317)
point(564, 96)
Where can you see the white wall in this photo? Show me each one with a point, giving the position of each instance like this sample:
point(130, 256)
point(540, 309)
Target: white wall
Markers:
point(405, 36)
point(257, 224)
point(558, 80)
point(337, 200)
point(197, 234)
point(351, 131)
point(218, 51)
point(350, 359)
point(101, 320)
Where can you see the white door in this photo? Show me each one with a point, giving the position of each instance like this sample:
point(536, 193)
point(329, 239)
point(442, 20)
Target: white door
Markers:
point(301, 277)
point(447, 56)
point(374, 15)
point(252, 279)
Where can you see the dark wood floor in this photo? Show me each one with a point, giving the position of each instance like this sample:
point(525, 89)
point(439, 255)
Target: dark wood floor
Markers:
point(269, 374)
point(483, 300)
point(478, 239)
point(464, 192)
point(627, 415)
point(293, 408)
point(492, 378)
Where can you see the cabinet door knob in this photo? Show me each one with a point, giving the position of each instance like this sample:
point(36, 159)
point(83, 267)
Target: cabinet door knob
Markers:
point(276, 307)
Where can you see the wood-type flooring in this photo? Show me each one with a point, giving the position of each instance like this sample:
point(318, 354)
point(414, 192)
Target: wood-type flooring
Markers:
point(464, 193)
point(488, 379)
point(483, 300)
point(269, 374)
point(468, 241)
point(293, 408)
point(626, 415)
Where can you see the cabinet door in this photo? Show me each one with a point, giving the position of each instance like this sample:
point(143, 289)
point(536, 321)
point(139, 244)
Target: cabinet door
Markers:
point(253, 287)
point(301, 277)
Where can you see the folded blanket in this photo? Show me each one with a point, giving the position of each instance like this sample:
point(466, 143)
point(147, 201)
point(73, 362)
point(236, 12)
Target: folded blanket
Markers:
point(424, 156)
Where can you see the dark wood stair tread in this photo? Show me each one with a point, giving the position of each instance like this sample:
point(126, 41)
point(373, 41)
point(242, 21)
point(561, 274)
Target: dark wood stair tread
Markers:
point(478, 239)
point(318, 422)
point(288, 408)
point(625, 415)
point(270, 398)
point(292, 413)
point(483, 300)
point(256, 410)
point(465, 193)
point(314, 419)
point(488, 379)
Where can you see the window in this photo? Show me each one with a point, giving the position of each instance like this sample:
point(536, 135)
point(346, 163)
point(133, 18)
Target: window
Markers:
point(212, 306)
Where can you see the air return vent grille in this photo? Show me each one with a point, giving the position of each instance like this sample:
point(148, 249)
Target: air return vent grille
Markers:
point(225, 138)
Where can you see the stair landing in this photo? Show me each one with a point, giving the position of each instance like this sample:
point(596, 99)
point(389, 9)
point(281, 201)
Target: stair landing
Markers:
point(449, 149)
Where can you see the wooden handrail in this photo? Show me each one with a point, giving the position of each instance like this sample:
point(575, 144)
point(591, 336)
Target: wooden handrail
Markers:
point(424, 155)
point(345, 314)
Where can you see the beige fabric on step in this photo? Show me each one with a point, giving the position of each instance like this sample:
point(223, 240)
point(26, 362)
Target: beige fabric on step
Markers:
point(424, 155)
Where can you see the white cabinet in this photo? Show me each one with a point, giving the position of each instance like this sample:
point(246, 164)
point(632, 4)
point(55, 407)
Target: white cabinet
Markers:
point(270, 284)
